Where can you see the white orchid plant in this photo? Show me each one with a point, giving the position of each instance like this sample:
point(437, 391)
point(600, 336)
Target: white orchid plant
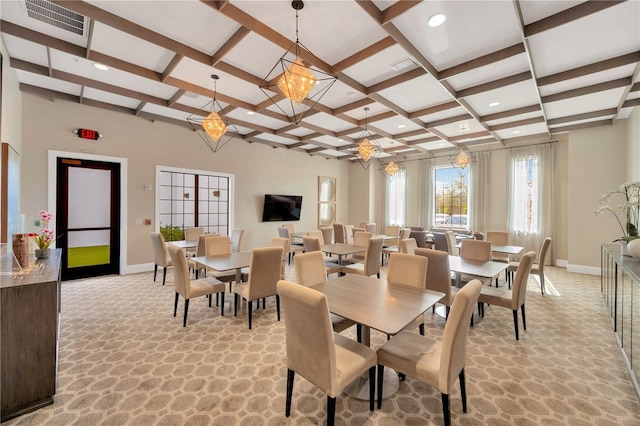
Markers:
point(629, 209)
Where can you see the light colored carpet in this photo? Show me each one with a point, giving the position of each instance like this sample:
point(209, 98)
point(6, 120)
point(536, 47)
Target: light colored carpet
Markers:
point(125, 360)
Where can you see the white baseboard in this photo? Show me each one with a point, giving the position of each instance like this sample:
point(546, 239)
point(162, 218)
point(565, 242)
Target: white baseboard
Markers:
point(136, 269)
point(581, 269)
point(562, 263)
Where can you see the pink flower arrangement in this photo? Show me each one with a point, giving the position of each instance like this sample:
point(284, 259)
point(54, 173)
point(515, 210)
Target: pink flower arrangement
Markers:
point(45, 237)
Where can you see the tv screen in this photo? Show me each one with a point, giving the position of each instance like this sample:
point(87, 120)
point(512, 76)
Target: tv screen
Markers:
point(281, 207)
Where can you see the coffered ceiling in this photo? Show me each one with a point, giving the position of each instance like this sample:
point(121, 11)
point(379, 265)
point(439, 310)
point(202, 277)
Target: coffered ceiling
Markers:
point(502, 70)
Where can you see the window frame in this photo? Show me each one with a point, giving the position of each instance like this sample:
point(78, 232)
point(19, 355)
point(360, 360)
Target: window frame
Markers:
point(450, 215)
point(532, 197)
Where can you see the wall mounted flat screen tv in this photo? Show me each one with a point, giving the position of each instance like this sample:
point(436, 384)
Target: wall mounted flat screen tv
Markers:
point(281, 207)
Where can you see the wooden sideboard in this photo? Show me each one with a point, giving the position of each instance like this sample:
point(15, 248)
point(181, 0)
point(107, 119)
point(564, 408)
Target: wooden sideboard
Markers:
point(29, 315)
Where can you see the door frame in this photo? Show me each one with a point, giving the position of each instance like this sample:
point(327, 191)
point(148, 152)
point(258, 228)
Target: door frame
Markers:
point(52, 184)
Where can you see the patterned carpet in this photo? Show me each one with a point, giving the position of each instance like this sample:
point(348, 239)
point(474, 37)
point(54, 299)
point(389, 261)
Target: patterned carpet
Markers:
point(124, 360)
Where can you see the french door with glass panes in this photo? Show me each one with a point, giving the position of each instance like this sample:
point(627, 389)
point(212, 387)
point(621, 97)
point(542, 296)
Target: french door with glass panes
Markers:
point(192, 199)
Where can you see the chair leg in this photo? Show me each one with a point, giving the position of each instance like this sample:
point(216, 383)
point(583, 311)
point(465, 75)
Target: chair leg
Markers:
point(380, 384)
point(186, 309)
point(250, 309)
point(175, 305)
point(222, 307)
point(155, 272)
point(372, 387)
point(445, 409)
point(217, 299)
point(378, 275)
point(447, 310)
point(421, 328)
point(359, 333)
point(164, 275)
point(278, 305)
point(291, 375)
point(235, 305)
point(524, 320)
point(209, 297)
point(542, 283)
point(463, 391)
point(515, 323)
point(331, 411)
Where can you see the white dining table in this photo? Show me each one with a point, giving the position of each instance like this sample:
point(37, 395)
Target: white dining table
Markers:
point(478, 268)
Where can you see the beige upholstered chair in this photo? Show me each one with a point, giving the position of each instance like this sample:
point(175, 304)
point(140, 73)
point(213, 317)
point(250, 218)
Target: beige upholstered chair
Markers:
point(392, 231)
point(311, 270)
point(359, 239)
point(371, 265)
point(407, 269)
point(475, 250)
point(192, 234)
point(514, 298)
point(438, 364)
point(451, 242)
point(284, 243)
point(370, 227)
point(536, 268)
point(393, 246)
point(201, 250)
point(263, 276)
point(338, 233)
point(316, 234)
point(328, 360)
point(290, 227)
point(191, 289)
point(439, 276)
point(312, 244)
point(408, 246)
point(283, 232)
point(160, 256)
point(236, 240)
point(327, 234)
point(348, 234)
point(216, 245)
point(498, 238)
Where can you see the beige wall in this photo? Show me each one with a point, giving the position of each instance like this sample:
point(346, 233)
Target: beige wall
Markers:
point(11, 104)
point(258, 169)
point(633, 146)
point(596, 163)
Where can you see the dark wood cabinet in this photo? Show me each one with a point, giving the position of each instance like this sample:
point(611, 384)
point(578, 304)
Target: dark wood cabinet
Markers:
point(29, 315)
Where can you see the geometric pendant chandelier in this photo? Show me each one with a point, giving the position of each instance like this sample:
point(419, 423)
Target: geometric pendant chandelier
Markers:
point(462, 158)
point(293, 85)
point(214, 129)
point(368, 148)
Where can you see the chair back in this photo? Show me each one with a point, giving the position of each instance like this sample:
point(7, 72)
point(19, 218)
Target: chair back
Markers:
point(408, 245)
point(475, 250)
point(327, 234)
point(338, 233)
point(283, 232)
point(217, 245)
point(407, 269)
point(451, 242)
point(348, 234)
point(454, 340)
point(310, 345)
point(404, 233)
point(543, 254)
point(361, 238)
point(201, 249)
point(370, 227)
point(438, 272)
point(264, 272)
point(160, 254)
point(311, 244)
point(372, 256)
point(478, 235)
point(519, 288)
point(193, 233)
point(392, 230)
point(236, 239)
point(289, 227)
point(284, 243)
point(498, 238)
point(310, 268)
point(440, 242)
point(180, 271)
point(316, 234)
point(363, 224)
point(356, 230)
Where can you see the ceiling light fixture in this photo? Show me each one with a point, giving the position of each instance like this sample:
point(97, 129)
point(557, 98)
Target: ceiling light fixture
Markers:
point(437, 20)
point(492, 104)
point(390, 171)
point(463, 158)
point(515, 132)
point(251, 113)
point(213, 129)
point(101, 67)
point(368, 148)
point(303, 85)
point(401, 126)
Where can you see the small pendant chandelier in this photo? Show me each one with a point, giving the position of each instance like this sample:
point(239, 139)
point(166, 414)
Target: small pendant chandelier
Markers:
point(368, 148)
point(462, 158)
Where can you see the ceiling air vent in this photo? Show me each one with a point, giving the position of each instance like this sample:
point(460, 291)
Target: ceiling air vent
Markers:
point(404, 64)
point(55, 15)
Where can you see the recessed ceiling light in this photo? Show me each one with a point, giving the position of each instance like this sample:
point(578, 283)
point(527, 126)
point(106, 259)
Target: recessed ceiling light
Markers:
point(515, 132)
point(340, 140)
point(492, 104)
point(437, 20)
point(401, 126)
point(101, 66)
point(441, 144)
point(250, 113)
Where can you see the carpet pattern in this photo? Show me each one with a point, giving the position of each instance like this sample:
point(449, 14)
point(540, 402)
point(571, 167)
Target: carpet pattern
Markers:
point(125, 360)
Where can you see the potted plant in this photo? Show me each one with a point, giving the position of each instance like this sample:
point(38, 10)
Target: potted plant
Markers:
point(45, 237)
point(628, 210)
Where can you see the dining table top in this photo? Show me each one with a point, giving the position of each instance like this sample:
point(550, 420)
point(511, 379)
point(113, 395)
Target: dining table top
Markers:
point(485, 269)
point(343, 249)
point(505, 249)
point(225, 262)
point(377, 303)
point(184, 244)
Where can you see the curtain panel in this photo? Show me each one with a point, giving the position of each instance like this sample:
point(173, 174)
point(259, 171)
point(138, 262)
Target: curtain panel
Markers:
point(425, 198)
point(478, 192)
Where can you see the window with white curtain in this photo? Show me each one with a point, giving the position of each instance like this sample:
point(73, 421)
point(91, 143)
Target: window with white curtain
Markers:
point(396, 198)
point(525, 195)
point(450, 198)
